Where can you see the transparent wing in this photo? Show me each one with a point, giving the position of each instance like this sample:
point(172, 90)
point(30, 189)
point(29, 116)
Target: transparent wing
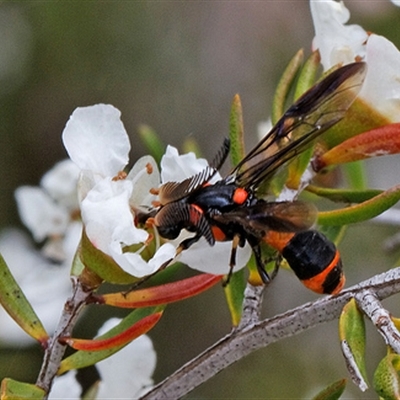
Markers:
point(314, 112)
point(282, 216)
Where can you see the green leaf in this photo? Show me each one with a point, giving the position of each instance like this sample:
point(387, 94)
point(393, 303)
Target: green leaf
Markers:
point(234, 294)
point(352, 336)
point(190, 144)
point(14, 390)
point(82, 359)
point(344, 195)
point(363, 211)
point(236, 131)
point(356, 175)
point(152, 141)
point(308, 74)
point(284, 85)
point(332, 392)
point(18, 307)
point(334, 233)
point(386, 378)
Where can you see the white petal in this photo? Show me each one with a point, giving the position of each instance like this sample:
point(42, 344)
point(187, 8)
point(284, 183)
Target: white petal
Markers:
point(61, 183)
point(135, 265)
point(263, 128)
point(46, 285)
point(381, 88)
point(214, 259)
point(107, 216)
point(337, 43)
point(144, 176)
point(64, 384)
point(176, 168)
point(396, 2)
point(96, 140)
point(40, 213)
point(127, 373)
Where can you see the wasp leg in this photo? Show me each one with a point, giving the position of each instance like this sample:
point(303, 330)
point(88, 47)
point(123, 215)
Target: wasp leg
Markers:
point(232, 260)
point(261, 265)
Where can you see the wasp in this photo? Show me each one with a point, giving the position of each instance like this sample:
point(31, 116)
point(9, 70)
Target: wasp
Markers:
point(233, 209)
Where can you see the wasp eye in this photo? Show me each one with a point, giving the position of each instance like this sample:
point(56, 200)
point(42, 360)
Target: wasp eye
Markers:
point(169, 232)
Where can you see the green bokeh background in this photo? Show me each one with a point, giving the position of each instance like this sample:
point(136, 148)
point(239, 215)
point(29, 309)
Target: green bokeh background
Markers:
point(176, 66)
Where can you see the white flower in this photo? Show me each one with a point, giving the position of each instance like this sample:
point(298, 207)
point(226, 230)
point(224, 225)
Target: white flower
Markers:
point(97, 142)
point(340, 43)
point(46, 285)
point(124, 375)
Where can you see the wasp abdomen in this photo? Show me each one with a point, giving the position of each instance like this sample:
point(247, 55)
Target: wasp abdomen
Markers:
point(316, 261)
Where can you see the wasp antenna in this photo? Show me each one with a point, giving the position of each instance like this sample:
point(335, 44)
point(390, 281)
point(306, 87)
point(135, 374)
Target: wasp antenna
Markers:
point(220, 157)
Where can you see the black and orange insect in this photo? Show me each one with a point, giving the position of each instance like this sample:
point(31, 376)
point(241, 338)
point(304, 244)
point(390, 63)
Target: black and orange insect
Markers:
point(233, 209)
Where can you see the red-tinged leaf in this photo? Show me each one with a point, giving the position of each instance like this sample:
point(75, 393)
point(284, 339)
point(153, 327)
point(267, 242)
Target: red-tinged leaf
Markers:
point(118, 340)
point(14, 390)
point(363, 211)
point(381, 141)
point(332, 392)
point(162, 294)
point(18, 307)
point(81, 359)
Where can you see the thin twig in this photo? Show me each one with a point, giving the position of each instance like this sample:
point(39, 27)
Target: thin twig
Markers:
point(240, 343)
point(55, 351)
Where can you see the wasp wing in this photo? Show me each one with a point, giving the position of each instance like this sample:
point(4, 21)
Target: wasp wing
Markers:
point(313, 113)
point(285, 216)
point(173, 191)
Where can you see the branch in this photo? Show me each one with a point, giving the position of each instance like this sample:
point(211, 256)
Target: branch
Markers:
point(241, 342)
point(55, 352)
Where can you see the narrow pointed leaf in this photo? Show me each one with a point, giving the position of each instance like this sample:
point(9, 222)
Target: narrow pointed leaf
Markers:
point(332, 392)
point(386, 377)
point(352, 337)
point(234, 294)
point(363, 211)
point(356, 175)
point(14, 390)
point(308, 74)
point(344, 195)
point(162, 294)
point(18, 307)
point(236, 131)
point(381, 141)
point(81, 359)
point(152, 141)
point(284, 85)
point(190, 144)
point(121, 339)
